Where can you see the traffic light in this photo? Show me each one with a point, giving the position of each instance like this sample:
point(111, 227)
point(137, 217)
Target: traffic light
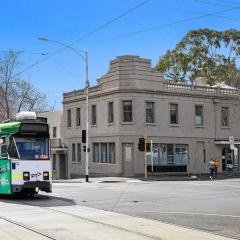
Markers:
point(84, 133)
point(148, 147)
point(141, 144)
point(84, 148)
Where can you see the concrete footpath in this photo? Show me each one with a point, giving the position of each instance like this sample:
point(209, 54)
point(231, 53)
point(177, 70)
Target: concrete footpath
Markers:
point(150, 178)
point(78, 222)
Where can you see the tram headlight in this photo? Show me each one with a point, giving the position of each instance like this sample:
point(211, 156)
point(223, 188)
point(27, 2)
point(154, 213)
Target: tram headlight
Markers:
point(26, 176)
point(45, 175)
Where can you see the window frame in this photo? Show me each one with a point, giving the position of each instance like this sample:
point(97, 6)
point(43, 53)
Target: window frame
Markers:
point(106, 157)
point(228, 117)
point(123, 111)
point(54, 131)
point(79, 159)
point(54, 162)
point(202, 116)
point(153, 112)
point(177, 114)
point(94, 117)
point(73, 152)
point(78, 117)
point(110, 121)
point(69, 118)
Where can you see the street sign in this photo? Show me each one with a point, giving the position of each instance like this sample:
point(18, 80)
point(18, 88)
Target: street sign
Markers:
point(231, 142)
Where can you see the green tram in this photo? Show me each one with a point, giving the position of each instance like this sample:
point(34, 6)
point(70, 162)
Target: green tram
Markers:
point(25, 164)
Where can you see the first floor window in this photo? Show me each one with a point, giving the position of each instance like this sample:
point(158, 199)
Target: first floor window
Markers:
point(173, 113)
point(78, 117)
point(54, 132)
point(150, 112)
point(127, 111)
point(94, 115)
point(198, 115)
point(225, 117)
point(110, 112)
point(69, 118)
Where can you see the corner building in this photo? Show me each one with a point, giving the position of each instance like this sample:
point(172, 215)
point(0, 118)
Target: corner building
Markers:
point(187, 124)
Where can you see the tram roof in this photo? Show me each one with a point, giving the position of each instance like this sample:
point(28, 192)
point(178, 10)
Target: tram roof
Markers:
point(9, 128)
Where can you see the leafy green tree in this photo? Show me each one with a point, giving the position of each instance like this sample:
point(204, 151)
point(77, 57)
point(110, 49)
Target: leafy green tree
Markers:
point(206, 53)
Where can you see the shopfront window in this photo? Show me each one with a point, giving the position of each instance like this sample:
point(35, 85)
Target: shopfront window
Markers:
point(168, 155)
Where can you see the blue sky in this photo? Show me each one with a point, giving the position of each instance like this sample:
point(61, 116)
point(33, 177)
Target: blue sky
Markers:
point(65, 21)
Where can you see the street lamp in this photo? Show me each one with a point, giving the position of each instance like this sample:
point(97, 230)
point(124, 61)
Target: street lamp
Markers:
point(85, 58)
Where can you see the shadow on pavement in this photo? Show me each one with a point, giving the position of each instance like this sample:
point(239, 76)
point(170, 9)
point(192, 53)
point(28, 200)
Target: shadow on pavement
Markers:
point(37, 200)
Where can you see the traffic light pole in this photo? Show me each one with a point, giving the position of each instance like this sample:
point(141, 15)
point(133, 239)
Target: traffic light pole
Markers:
point(145, 156)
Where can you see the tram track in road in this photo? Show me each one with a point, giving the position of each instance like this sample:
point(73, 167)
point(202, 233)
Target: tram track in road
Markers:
point(147, 236)
point(25, 227)
point(119, 228)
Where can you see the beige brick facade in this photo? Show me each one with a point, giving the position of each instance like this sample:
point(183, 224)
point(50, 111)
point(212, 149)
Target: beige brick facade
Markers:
point(182, 146)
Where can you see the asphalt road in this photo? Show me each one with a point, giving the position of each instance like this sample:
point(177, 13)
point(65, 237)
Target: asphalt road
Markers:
point(206, 205)
point(212, 206)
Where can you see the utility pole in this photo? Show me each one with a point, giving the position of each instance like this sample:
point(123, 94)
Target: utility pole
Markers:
point(85, 58)
point(87, 127)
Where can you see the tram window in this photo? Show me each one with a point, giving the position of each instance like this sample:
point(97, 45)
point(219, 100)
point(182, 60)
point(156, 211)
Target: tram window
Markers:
point(33, 148)
point(4, 152)
point(12, 150)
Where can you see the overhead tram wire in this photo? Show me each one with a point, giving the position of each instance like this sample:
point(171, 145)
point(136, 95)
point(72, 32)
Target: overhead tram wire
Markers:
point(218, 3)
point(156, 5)
point(84, 36)
point(170, 24)
point(190, 11)
point(173, 23)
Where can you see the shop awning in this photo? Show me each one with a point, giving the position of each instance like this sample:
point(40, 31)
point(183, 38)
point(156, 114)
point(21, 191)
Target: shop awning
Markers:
point(226, 142)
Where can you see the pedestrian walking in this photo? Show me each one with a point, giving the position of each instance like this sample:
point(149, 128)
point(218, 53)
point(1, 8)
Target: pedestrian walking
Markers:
point(211, 167)
point(217, 165)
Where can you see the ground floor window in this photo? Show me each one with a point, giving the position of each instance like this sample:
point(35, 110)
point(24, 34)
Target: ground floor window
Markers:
point(168, 155)
point(54, 162)
point(104, 152)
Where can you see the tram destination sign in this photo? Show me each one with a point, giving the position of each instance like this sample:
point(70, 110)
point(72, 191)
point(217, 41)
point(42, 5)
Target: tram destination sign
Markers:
point(37, 128)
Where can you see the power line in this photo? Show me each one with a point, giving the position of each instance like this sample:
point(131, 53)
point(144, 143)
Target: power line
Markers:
point(189, 11)
point(25, 52)
point(174, 23)
point(85, 36)
point(216, 3)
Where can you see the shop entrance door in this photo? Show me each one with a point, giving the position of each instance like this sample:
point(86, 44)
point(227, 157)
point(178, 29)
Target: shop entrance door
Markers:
point(226, 158)
point(62, 167)
point(127, 154)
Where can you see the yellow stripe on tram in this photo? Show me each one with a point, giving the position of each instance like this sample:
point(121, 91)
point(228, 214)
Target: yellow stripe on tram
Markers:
point(17, 176)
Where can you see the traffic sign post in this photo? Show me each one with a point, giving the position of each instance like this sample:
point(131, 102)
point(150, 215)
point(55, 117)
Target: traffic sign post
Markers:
point(231, 143)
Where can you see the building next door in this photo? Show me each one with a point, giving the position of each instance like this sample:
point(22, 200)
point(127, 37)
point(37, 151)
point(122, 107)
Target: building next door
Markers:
point(62, 166)
point(127, 159)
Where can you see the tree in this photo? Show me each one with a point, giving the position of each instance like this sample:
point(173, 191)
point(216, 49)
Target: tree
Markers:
point(16, 94)
point(206, 53)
